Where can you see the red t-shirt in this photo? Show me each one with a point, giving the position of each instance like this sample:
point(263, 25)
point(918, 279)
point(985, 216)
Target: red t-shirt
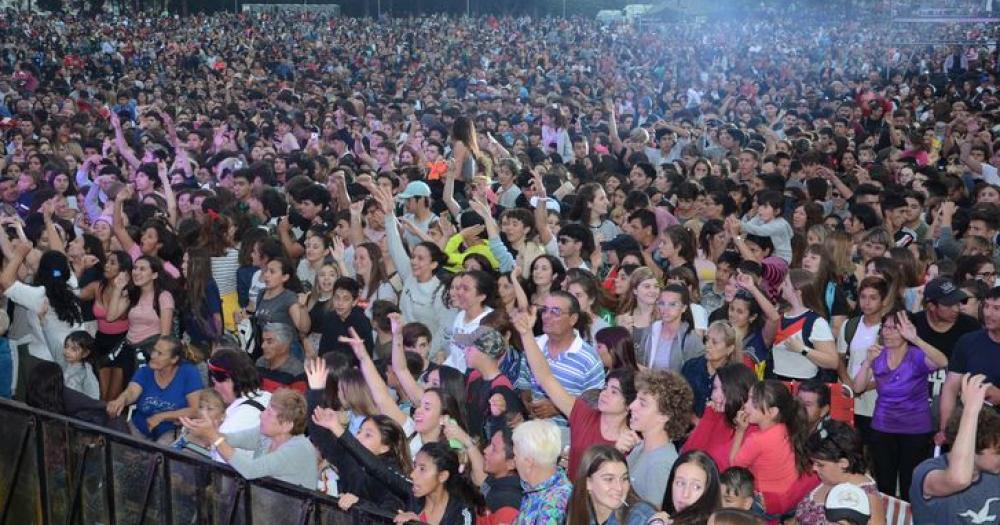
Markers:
point(771, 458)
point(714, 436)
point(585, 432)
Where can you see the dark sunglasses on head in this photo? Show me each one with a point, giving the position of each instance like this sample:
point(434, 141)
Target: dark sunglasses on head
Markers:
point(217, 374)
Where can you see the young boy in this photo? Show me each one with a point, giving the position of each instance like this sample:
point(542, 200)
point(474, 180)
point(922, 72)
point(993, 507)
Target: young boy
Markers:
point(737, 488)
point(484, 348)
point(660, 413)
point(963, 485)
point(344, 315)
point(212, 408)
point(768, 222)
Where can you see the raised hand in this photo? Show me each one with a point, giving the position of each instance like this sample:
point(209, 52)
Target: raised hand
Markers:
point(316, 373)
point(396, 323)
point(453, 431)
point(328, 419)
point(479, 208)
point(471, 233)
point(125, 193)
point(974, 389)
point(906, 328)
point(356, 344)
point(337, 250)
point(524, 321)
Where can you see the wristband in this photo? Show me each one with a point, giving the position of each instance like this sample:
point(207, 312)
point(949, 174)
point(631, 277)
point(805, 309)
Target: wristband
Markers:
point(217, 442)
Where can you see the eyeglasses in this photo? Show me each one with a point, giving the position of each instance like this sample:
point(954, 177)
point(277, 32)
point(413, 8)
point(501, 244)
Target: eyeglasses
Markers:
point(986, 275)
point(555, 311)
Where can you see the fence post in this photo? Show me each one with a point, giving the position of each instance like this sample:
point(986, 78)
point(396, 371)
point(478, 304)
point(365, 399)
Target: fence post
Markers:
point(109, 482)
point(43, 490)
point(235, 501)
point(154, 462)
point(17, 469)
point(76, 490)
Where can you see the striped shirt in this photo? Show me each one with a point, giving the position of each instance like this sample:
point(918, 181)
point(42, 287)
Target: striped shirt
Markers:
point(577, 369)
point(224, 271)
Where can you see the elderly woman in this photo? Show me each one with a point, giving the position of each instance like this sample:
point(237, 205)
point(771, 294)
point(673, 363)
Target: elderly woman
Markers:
point(163, 391)
point(234, 377)
point(537, 444)
point(279, 449)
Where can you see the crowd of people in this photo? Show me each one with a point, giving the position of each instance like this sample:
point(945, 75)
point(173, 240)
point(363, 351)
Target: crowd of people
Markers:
point(520, 271)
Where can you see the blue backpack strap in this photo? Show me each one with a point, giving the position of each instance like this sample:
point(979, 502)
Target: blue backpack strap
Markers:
point(831, 290)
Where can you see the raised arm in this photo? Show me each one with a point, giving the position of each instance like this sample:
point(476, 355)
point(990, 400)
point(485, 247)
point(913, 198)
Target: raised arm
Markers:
point(168, 192)
point(395, 481)
point(118, 224)
point(119, 303)
point(51, 233)
point(616, 141)
point(120, 143)
point(523, 323)
point(961, 470)
point(448, 195)
point(380, 391)
point(393, 239)
point(935, 358)
point(409, 384)
point(541, 212)
point(8, 277)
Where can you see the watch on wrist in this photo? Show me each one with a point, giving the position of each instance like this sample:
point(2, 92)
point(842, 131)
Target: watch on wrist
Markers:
point(804, 352)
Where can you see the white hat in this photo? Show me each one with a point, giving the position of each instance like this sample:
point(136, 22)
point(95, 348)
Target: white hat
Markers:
point(551, 204)
point(416, 189)
point(847, 501)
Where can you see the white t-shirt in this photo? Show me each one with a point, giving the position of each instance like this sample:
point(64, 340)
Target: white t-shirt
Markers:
point(990, 174)
point(416, 443)
point(864, 337)
point(456, 353)
point(46, 333)
point(793, 364)
point(700, 316)
point(241, 415)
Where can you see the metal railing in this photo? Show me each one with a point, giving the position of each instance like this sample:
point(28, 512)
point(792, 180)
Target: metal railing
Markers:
point(59, 470)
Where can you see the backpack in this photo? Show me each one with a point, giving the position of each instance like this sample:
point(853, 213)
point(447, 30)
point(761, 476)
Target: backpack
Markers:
point(851, 328)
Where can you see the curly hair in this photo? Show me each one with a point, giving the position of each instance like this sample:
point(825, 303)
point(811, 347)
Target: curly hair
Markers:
point(673, 395)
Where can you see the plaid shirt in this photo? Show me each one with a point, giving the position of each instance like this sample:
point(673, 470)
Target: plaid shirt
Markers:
point(546, 503)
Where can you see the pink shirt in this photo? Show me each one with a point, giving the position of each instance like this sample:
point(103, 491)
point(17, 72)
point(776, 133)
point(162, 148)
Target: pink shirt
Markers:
point(143, 321)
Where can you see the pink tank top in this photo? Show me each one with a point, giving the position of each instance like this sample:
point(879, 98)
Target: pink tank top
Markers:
point(101, 314)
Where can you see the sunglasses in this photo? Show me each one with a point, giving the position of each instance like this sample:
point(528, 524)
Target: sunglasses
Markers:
point(217, 374)
point(553, 310)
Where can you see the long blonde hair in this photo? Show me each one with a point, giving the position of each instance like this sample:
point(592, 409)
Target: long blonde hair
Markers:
point(728, 334)
point(838, 246)
point(629, 302)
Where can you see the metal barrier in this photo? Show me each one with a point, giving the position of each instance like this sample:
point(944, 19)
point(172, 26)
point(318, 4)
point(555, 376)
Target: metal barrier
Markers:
point(59, 470)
